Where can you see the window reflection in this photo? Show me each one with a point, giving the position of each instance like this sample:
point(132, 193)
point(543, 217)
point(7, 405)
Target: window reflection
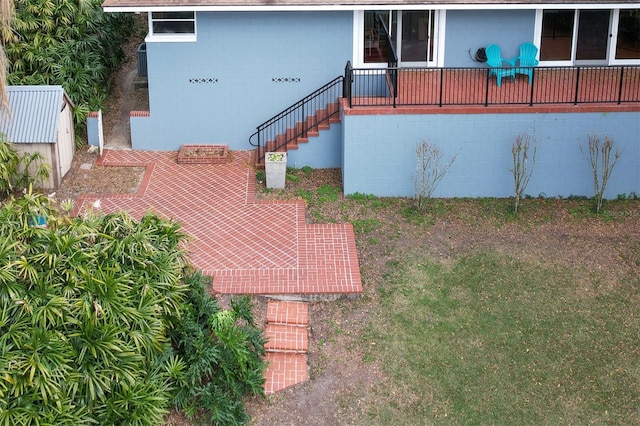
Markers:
point(628, 45)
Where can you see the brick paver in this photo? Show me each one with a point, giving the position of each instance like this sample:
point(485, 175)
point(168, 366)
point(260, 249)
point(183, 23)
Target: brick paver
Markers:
point(248, 246)
point(285, 369)
point(294, 313)
point(287, 334)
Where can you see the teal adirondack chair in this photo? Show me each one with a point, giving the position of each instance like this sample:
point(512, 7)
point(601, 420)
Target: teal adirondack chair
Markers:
point(527, 60)
point(496, 63)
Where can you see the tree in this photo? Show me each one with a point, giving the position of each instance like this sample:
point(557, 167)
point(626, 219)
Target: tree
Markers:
point(522, 169)
point(69, 43)
point(7, 10)
point(600, 158)
point(89, 307)
point(429, 171)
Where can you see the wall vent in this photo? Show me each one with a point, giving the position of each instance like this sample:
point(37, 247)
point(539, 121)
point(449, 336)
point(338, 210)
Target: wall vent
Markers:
point(285, 80)
point(209, 80)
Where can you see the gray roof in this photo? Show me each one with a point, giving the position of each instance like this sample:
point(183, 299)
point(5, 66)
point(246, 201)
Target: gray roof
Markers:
point(35, 111)
point(367, 4)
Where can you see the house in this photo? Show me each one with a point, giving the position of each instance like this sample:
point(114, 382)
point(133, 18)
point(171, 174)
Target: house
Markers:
point(251, 73)
point(41, 120)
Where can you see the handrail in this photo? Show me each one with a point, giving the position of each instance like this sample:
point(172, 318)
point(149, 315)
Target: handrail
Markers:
point(392, 59)
point(416, 86)
point(296, 120)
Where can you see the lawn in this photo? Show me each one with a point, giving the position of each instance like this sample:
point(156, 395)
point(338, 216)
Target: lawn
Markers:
point(493, 340)
point(473, 315)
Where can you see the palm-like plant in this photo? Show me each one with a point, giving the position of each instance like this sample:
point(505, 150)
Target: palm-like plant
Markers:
point(82, 316)
point(7, 10)
point(70, 43)
point(98, 324)
point(19, 171)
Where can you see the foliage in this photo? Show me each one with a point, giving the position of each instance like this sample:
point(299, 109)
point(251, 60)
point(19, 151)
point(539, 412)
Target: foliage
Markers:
point(429, 171)
point(222, 353)
point(602, 164)
point(86, 308)
point(19, 171)
point(327, 194)
point(522, 170)
point(73, 44)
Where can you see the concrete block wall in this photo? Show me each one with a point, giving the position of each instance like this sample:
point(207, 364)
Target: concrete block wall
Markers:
point(379, 152)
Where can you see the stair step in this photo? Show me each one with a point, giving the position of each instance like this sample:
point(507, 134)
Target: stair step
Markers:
point(286, 140)
point(292, 313)
point(286, 338)
point(284, 370)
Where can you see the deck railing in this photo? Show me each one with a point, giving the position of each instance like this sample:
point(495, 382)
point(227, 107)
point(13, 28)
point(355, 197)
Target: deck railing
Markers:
point(394, 86)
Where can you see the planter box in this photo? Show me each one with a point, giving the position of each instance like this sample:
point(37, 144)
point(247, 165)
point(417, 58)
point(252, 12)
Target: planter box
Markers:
point(275, 167)
point(203, 154)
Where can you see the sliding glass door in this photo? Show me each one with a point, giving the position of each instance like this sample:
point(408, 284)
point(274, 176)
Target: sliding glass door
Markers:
point(590, 36)
point(417, 44)
point(593, 36)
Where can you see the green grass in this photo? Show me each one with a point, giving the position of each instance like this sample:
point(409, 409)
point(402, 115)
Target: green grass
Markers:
point(364, 226)
point(491, 340)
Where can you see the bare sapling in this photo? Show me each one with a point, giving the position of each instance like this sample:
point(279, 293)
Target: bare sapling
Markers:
point(602, 158)
point(522, 166)
point(429, 171)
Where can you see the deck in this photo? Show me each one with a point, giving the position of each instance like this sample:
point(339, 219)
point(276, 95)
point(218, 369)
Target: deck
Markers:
point(474, 87)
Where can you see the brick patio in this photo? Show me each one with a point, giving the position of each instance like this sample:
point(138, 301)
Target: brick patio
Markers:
point(248, 246)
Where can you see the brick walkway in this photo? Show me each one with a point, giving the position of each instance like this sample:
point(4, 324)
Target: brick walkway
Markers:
point(247, 246)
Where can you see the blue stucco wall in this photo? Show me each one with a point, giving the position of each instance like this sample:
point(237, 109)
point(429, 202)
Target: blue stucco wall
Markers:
point(321, 152)
point(379, 152)
point(472, 29)
point(235, 61)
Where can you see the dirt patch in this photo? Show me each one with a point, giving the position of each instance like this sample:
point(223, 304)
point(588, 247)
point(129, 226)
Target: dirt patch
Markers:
point(85, 177)
point(125, 96)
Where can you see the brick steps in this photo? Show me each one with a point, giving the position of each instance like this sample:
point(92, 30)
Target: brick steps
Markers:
point(314, 123)
point(287, 344)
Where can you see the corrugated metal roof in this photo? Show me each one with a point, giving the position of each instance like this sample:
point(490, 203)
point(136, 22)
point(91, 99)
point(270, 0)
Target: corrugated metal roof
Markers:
point(35, 111)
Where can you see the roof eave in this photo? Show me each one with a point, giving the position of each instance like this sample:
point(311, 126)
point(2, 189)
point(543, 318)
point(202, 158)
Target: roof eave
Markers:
point(347, 7)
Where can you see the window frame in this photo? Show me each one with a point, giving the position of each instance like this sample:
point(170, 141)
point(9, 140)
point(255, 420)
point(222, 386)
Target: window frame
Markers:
point(359, 35)
point(612, 39)
point(172, 37)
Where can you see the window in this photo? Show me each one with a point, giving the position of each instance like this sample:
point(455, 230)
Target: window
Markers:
point(628, 43)
point(375, 38)
point(589, 36)
point(173, 24)
point(409, 37)
point(557, 35)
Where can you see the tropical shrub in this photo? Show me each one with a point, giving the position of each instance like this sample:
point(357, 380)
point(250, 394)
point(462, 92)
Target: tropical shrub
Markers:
point(86, 307)
point(222, 351)
point(70, 43)
point(19, 171)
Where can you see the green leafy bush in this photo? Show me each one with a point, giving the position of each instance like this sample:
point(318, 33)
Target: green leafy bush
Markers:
point(73, 44)
point(89, 309)
point(222, 351)
point(19, 171)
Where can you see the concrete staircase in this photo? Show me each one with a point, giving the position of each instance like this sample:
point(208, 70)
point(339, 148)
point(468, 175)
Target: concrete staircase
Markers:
point(287, 333)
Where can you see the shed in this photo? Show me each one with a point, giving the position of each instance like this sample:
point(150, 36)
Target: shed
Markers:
point(41, 120)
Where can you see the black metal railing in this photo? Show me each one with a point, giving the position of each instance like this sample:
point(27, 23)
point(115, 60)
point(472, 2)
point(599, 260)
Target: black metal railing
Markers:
point(394, 86)
point(298, 119)
point(392, 59)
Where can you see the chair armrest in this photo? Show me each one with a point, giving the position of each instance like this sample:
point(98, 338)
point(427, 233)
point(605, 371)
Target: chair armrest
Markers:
point(512, 61)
